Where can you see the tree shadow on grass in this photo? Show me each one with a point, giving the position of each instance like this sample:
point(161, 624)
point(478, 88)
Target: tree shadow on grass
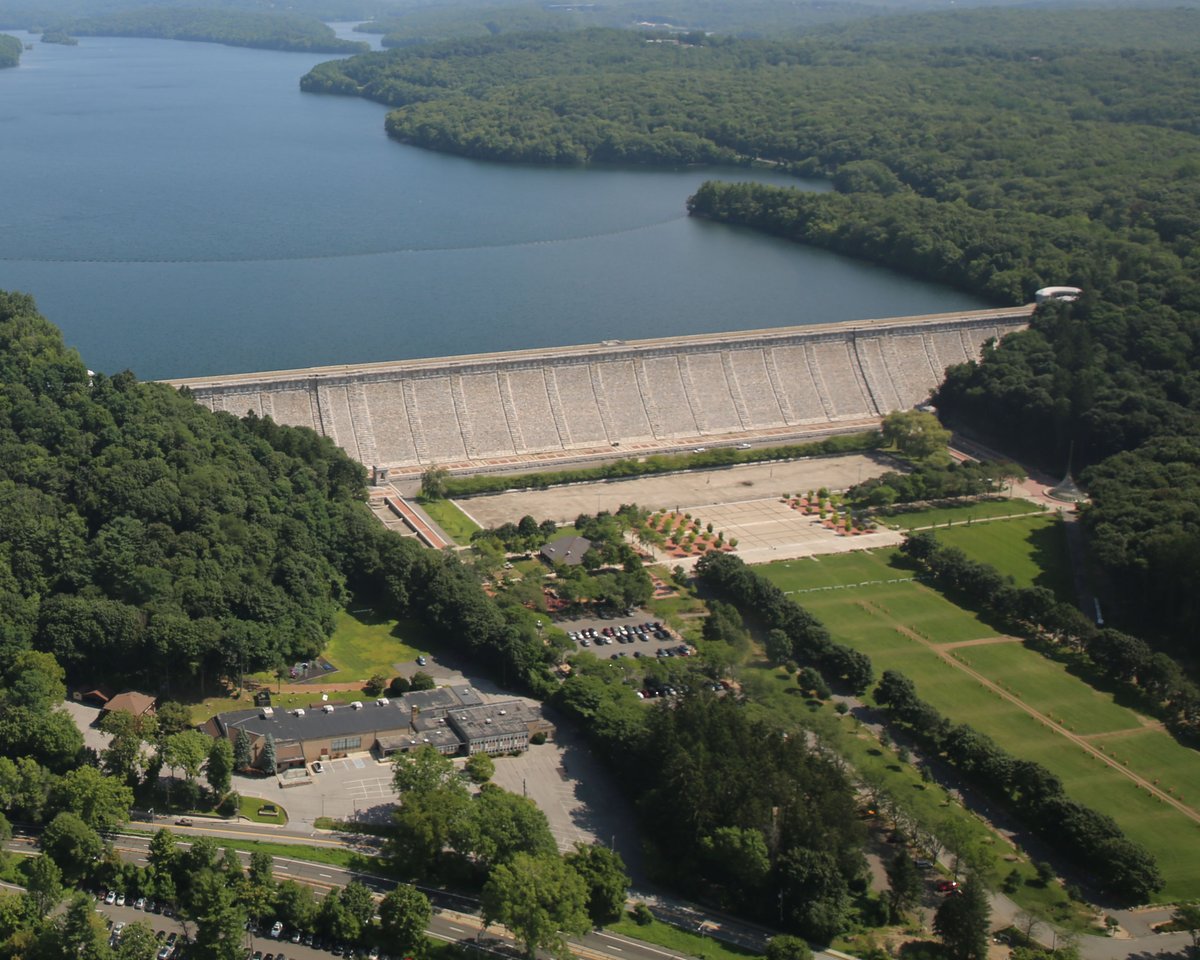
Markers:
point(1049, 544)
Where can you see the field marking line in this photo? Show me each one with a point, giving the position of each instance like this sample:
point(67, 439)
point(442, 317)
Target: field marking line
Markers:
point(1054, 725)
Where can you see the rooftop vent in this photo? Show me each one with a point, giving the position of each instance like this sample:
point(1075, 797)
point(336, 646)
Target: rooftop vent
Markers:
point(503, 712)
point(488, 720)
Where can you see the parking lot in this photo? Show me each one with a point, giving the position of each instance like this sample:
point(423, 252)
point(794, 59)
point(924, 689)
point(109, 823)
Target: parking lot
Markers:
point(633, 636)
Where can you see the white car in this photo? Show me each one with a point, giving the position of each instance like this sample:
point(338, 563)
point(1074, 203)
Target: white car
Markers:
point(318, 767)
point(276, 930)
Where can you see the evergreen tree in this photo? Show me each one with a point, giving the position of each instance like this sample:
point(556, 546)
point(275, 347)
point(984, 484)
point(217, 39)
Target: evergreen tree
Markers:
point(905, 883)
point(268, 754)
point(962, 922)
point(242, 758)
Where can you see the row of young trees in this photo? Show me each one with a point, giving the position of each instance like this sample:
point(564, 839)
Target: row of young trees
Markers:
point(1035, 612)
point(1121, 867)
point(798, 635)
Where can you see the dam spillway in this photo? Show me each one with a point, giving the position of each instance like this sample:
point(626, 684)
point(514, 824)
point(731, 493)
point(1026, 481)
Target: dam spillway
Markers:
point(637, 396)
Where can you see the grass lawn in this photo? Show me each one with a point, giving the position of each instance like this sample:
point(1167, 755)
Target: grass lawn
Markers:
point(365, 643)
point(447, 515)
point(1032, 550)
point(1047, 687)
point(251, 809)
point(1157, 756)
point(691, 944)
point(880, 618)
point(959, 513)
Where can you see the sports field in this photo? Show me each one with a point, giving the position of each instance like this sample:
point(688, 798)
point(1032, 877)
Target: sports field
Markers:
point(1031, 706)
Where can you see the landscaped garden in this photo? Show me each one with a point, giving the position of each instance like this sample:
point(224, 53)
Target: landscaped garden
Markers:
point(682, 535)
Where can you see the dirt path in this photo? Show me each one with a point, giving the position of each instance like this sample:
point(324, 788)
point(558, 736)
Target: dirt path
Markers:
point(1058, 728)
point(981, 642)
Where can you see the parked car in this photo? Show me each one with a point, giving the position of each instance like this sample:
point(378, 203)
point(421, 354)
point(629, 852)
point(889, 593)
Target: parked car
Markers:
point(276, 929)
point(140, 904)
point(110, 897)
point(947, 886)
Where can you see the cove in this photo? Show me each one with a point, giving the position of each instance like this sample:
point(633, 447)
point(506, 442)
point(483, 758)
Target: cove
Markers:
point(181, 209)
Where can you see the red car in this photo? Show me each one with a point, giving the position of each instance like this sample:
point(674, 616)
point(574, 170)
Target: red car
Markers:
point(947, 886)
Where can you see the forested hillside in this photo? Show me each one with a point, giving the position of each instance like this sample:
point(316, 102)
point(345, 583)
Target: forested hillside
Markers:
point(270, 31)
point(432, 22)
point(144, 537)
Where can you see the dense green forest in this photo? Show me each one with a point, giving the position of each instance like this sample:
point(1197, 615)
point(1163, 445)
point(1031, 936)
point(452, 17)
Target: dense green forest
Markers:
point(994, 150)
point(10, 50)
point(429, 23)
point(270, 31)
point(144, 537)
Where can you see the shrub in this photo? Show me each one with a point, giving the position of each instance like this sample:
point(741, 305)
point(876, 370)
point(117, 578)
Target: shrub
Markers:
point(641, 914)
point(538, 738)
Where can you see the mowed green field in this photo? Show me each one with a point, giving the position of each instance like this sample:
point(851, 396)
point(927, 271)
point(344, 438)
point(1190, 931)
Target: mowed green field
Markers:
point(1032, 550)
point(960, 513)
point(905, 625)
point(1047, 687)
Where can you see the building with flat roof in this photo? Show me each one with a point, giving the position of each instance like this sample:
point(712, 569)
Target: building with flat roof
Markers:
point(324, 731)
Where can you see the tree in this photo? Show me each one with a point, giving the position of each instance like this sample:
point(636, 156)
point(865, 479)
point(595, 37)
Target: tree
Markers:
point(358, 905)
point(242, 750)
point(434, 482)
point(904, 883)
point(81, 932)
point(778, 646)
point(186, 750)
point(101, 802)
point(502, 824)
point(815, 894)
point(539, 899)
point(603, 871)
point(914, 433)
point(404, 914)
point(479, 768)
point(784, 947)
point(138, 942)
point(173, 718)
point(72, 844)
point(267, 760)
point(422, 771)
point(962, 922)
point(295, 905)
point(219, 766)
point(219, 922)
point(1186, 916)
point(43, 884)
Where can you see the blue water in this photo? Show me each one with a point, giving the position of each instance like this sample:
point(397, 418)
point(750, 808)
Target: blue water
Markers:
point(181, 209)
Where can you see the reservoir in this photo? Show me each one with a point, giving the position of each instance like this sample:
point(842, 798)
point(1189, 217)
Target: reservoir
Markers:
point(182, 209)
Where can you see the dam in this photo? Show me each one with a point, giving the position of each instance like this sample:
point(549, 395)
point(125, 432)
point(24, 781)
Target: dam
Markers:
point(635, 397)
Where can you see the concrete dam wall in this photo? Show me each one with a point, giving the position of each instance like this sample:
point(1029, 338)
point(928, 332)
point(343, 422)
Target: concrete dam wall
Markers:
point(636, 396)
